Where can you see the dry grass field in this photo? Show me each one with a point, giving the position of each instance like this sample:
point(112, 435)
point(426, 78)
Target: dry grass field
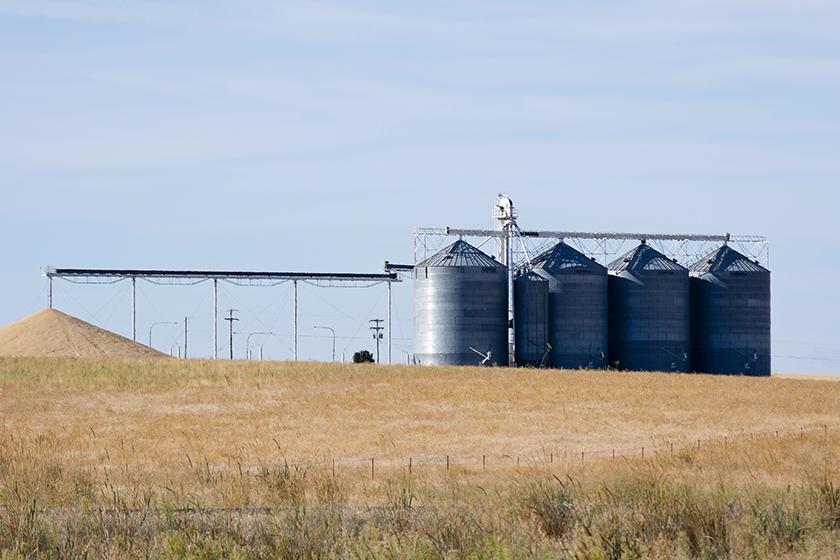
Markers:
point(204, 459)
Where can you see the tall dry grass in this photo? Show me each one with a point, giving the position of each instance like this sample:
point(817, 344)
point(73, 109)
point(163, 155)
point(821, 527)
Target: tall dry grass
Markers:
point(198, 459)
point(149, 412)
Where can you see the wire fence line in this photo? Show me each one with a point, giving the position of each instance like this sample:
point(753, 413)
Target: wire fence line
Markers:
point(561, 458)
point(565, 457)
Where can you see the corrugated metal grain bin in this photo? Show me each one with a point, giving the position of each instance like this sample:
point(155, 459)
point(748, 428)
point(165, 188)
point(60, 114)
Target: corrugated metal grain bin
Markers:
point(530, 296)
point(648, 312)
point(460, 302)
point(577, 308)
point(730, 315)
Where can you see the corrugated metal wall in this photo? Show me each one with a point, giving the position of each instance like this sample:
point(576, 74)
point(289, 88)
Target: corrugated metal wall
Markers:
point(648, 312)
point(530, 296)
point(642, 313)
point(460, 301)
point(577, 308)
point(730, 315)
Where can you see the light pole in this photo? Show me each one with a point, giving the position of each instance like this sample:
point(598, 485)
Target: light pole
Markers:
point(248, 344)
point(158, 323)
point(333, 333)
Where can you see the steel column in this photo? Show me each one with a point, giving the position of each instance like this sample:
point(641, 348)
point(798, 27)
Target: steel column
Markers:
point(389, 323)
point(511, 271)
point(134, 309)
point(215, 318)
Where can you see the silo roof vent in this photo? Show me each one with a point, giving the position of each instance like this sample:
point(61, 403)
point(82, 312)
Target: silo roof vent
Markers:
point(644, 257)
point(562, 256)
point(460, 253)
point(726, 259)
point(531, 277)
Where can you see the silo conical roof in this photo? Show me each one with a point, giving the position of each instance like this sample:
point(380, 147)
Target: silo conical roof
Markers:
point(460, 253)
point(644, 257)
point(531, 277)
point(726, 259)
point(562, 256)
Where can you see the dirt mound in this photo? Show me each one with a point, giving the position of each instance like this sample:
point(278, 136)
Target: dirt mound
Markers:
point(53, 333)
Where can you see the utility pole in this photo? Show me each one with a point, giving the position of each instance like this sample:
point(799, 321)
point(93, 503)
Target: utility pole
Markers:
point(185, 338)
point(376, 334)
point(231, 319)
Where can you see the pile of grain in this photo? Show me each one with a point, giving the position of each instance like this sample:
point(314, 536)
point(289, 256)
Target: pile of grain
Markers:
point(53, 333)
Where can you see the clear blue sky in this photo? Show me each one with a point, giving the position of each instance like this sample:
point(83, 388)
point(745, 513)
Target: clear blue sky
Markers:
point(315, 136)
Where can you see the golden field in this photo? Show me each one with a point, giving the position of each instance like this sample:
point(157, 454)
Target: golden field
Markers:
point(194, 458)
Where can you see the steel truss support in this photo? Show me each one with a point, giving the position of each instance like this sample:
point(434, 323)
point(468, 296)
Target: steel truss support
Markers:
point(189, 278)
point(684, 248)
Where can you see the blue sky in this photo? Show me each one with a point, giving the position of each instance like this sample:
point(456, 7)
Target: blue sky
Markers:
point(315, 136)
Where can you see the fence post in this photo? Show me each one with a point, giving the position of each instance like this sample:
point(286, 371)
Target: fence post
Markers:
point(447, 463)
point(643, 452)
point(484, 461)
point(409, 465)
point(371, 467)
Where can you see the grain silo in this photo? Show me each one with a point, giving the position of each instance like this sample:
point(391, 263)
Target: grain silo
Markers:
point(577, 308)
point(648, 312)
point(730, 314)
point(460, 308)
point(530, 296)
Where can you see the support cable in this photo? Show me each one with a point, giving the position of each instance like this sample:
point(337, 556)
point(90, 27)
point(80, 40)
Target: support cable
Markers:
point(197, 307)
point(336, 308)
point(279, 313)
point(34, 303)
point(82, 307)
point(123, 293)
point(256, 317)
point(362, 325)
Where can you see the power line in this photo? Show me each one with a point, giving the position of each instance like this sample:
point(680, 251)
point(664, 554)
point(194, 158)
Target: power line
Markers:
point(805, 358)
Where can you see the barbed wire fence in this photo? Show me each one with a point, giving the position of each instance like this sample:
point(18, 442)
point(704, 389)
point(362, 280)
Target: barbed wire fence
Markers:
point(567, 457)
point(381, 468)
